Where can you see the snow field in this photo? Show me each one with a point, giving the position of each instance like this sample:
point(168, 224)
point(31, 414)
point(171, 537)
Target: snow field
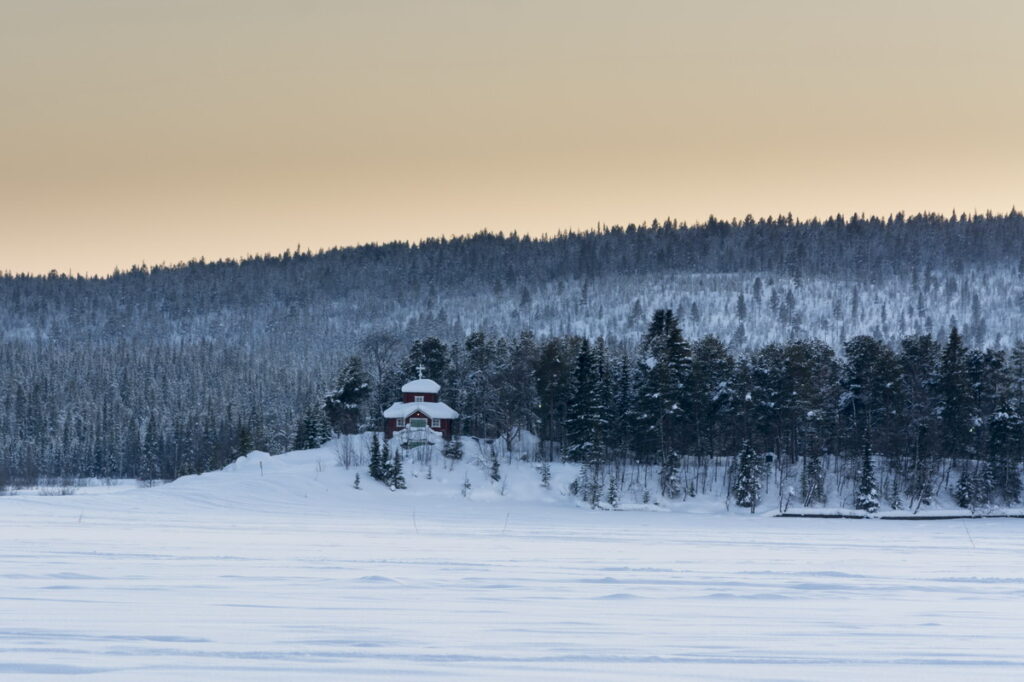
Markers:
point(276, 568)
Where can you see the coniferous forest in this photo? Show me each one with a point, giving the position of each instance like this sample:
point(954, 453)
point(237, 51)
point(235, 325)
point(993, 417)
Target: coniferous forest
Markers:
point(883, 352)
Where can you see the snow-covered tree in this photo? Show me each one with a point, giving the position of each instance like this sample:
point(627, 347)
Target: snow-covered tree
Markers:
point(747, 474)
point(867, 488)
point(378, 463)
point(344, 406)
point(396, 479)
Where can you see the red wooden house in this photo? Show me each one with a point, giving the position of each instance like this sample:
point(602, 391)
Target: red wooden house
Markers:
point(420, 409)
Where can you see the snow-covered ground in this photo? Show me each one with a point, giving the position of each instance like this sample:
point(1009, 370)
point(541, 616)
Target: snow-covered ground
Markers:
point(278, 569)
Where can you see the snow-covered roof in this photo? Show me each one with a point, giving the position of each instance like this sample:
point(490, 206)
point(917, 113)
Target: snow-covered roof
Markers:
point(422, 386)
point(432, 410)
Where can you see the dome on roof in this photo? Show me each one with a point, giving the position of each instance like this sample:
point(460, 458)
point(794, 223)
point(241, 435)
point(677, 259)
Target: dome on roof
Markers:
point(421, 386)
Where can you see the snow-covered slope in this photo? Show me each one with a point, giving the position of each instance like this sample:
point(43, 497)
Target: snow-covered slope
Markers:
point(277, 568)
point(322, 481)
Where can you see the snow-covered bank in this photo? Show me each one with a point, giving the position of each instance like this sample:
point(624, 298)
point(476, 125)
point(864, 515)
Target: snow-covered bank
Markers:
point(277, 568)
point(494, 473)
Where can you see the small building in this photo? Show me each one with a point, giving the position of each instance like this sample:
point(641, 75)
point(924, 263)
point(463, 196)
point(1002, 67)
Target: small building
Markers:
point(419, 410)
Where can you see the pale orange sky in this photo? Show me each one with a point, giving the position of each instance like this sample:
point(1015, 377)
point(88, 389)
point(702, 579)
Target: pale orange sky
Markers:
point(161, 130)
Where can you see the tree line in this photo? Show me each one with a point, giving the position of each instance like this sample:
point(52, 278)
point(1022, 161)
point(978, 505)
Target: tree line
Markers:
point(927, 414)
point(158, 372)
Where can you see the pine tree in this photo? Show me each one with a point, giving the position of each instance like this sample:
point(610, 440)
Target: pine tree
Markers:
point(747, 470)
point(867, 489)
point(545, 475)
point(356, 483)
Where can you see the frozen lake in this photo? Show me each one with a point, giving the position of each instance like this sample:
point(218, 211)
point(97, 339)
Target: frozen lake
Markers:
point(248, 577)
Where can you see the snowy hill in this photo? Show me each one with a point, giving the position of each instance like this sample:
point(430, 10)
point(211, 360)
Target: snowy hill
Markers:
point(318, 482)
point(202, 358)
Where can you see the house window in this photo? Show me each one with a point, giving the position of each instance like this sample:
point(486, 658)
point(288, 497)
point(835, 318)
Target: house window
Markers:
point(435, 423)
point(418, 423)
point(418, 399)
point(400, 422)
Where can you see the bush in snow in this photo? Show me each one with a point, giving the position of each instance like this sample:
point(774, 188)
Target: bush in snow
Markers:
point(453, 449)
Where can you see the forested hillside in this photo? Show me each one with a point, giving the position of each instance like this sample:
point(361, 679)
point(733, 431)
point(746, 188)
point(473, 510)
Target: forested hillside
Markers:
point(162, 371)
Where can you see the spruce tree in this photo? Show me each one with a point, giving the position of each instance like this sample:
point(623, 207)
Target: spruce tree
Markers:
point(747, 470)
point(432, 355)
point(584, 422)
point(964, 491)
point(1004, 441)
point(665, 399)
point(302, 438)
point(984, 485)
point(313, 430)
point(386, 465)
point(613, 493)
point(953, 397)
point(320, 431)
point(395, 476)
point(244, 443)
point(867, 489)
point(377, 463)
point(343, 407)
point(149, 463)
